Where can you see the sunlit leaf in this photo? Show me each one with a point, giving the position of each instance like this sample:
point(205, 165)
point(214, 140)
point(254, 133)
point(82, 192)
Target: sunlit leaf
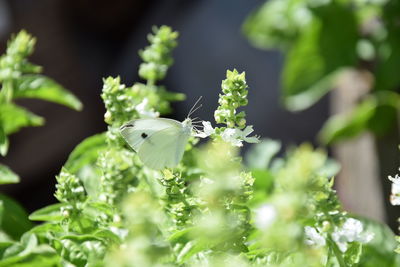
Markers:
point(14, 118)
point(42, 87)
point(7, 176)
point(3, 141)
point(49, 213)
point(86, 152)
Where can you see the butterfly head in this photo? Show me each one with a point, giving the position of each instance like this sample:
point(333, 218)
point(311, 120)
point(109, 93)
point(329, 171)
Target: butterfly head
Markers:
point(187, 125)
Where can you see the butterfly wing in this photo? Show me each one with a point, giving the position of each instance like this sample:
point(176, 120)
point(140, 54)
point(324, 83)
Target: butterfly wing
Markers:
point(135, 132)
point(164, 148)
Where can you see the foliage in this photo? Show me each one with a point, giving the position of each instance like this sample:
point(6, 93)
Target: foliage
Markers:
point(211, 210)
point(325, 41)
point(21, 79)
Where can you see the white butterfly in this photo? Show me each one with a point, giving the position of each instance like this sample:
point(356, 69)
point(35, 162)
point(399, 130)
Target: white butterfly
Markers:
point(159, 142)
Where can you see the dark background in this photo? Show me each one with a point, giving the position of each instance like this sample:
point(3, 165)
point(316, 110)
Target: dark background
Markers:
point(82, 41)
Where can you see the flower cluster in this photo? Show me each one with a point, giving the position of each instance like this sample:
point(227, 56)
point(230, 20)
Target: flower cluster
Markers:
point(157, 56)
point(235, 90)
point(352, 230)
point(14, 63)
point(395, 196)
point(125, 103)
point(303, 212)
point(69, 188)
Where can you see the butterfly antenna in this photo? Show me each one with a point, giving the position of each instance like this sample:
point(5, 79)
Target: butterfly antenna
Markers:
point(194, 108)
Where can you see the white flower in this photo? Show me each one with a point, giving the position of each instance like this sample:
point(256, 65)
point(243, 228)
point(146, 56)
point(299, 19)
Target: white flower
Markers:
point(313, 238)
point(352, 230)
point(230, 135)
point(144, 111)
point(207, 130)
point(248, 130)
point(265, 215)
point(395, 196)
point(236, 136)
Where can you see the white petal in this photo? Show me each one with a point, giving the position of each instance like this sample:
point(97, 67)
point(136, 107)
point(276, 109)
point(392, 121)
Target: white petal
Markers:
point(395, 200)
point(208, 129)
point(253, 139)
point(313, 238)
point(265, 215)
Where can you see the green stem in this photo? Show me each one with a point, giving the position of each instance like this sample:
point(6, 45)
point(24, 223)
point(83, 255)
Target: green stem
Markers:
point(7, 91)
point(337, 252)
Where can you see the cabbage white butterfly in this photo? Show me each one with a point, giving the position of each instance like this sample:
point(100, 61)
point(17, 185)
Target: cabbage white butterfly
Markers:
point(159, 142)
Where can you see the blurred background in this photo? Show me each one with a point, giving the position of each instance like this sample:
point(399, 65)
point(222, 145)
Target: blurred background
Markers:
point(80, 42)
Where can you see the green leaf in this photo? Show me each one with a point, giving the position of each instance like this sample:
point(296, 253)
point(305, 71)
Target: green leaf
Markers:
point(377, 113)
point(315, 92)
point(43, 256)
point(353, 253)
point(348, 125)
point(42, 230)
point(181, 236)
point(386, 112)
point(29, 253)
point(322, 49)
point(190, 249)
point(259, 156)
point(3, 141)
point(3, 246)
point(50, 213)
point(14, 118)
point(380, 250)
point(387, 74)
point(86, 152)
point(14, 218)
point(28, 243)
point(276, 24)
point(7, 176)
point(330, 168)
point(42, 87)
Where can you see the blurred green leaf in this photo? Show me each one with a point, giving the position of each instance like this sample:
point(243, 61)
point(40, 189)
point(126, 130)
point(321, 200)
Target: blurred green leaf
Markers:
point(14, 218)
point(29, 253)
point(330, 168)
point(43, 256)
point(49, 213)
point(42, 87)
point(3, 141)
point(315, 92)
point(3, 246)
point(14, 118)
point(376, 113)
point(324, 47)
point(386, 112)
point(259, 156)
point(276, 23)
point(388, 65)
point(348, 125)
point(353, 253)
point(85, 153)
point(7, 176)
point(42, 230)
point(263, 186)
point(190, 249)
point(380, 250)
